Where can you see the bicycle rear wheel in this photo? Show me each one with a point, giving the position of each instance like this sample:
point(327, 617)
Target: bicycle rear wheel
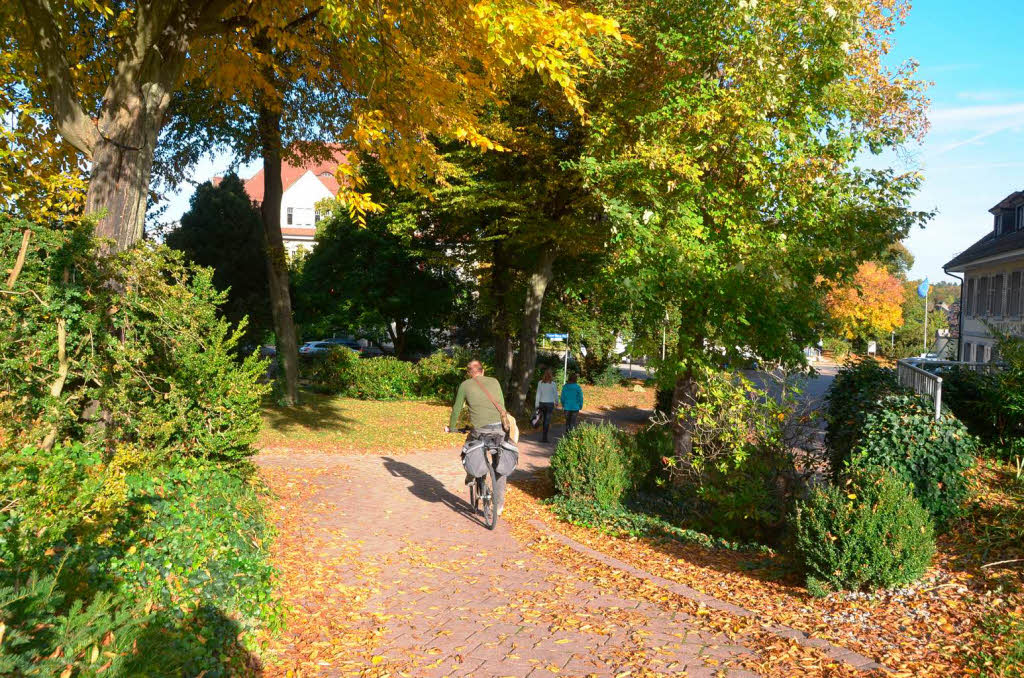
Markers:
point(489, 506)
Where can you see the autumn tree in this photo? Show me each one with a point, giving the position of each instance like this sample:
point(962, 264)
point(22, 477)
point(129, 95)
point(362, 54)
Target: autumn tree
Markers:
point(104, 73)
point(870, 307)
point(727, 149)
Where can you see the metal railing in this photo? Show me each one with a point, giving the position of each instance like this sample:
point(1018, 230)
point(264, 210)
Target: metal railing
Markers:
point(930, 384)
point(921, 381)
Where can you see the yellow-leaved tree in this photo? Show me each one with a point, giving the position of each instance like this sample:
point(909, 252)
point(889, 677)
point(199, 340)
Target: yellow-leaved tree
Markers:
point(103, 73)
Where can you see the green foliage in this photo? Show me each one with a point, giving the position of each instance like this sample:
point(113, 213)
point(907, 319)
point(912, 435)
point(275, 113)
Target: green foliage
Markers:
point(383, 378)
point(438, 376)
point(46, 635)
point(867, 534)
point(334, 372)
point(223, 231)
point(855, 392)
point(609, 376)
point(149, 363)
point(740, 466)
point(592, 463)
point(902, 436)
point(369, 279)
point(126, 419)
point(629, 521)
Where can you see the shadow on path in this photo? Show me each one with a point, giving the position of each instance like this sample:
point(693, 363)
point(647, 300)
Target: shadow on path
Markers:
point(428, 488)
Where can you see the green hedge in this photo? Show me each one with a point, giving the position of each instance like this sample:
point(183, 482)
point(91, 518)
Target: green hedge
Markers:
point(855, 392)
point(902, 435)
point(866, 534)
point(599, 463)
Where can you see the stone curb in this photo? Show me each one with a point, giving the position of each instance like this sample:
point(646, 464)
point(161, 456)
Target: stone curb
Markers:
point(841, 654)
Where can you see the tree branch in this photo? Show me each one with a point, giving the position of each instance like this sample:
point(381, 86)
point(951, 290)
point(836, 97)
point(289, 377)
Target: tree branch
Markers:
point(63, 365)
point(20, 262)
point(68, 115)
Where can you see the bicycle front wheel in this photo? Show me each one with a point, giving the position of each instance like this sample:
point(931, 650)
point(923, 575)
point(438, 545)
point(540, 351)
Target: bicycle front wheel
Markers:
point(490, 507)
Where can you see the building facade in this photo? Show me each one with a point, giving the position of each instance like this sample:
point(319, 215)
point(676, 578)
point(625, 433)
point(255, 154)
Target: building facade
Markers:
point(992, 290)
point(305, 184)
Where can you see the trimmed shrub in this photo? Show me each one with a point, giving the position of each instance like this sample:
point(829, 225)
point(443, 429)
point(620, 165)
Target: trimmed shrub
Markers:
point(384, 378)
point(855, 393)
point(902, 435)
point(334, 372)
point(870, 533)
point(438, 376)
point(590, 463)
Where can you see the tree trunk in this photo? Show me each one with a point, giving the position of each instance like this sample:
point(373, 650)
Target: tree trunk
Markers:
point(537, 286)
point(501, 282)
point(119, 183)
point(684, 397)
point(277, 261)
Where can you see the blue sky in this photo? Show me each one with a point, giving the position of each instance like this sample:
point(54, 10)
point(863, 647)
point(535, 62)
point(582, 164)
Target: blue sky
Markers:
point(973, 51)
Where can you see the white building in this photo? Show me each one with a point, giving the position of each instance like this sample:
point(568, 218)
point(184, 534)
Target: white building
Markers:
point(992, 292)
point(304, 186)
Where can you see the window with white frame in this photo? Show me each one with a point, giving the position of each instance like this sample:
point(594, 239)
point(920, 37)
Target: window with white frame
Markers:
point(965, 355)
point(979, 353)
point(981, 306)
point(969, 305)
point(291, 216)
point(999, 224)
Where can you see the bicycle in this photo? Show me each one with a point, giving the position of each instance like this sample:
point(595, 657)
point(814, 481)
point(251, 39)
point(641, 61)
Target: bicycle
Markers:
point(481, 490)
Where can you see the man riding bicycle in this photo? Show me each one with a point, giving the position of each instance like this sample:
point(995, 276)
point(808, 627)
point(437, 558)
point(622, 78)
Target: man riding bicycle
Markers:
point(486, 403)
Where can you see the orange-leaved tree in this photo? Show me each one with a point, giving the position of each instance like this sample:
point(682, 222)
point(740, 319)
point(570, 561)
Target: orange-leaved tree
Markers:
point(870, 307)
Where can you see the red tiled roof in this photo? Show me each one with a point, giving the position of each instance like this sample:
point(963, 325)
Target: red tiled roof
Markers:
point(324, 171)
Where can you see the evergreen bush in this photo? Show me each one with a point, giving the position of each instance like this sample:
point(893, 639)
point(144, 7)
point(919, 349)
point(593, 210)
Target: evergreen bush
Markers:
point(590, 463)
point(855, 392)
point(869, 533)
point(933, 456)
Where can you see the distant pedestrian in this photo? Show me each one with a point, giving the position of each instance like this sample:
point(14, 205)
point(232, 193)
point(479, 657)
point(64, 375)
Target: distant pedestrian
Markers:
point(547, 398)
point(572, 402)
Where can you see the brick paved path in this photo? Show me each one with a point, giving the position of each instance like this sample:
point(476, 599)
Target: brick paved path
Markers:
point(457, 599)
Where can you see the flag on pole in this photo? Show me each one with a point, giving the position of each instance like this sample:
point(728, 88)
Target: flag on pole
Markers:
point(922, 289)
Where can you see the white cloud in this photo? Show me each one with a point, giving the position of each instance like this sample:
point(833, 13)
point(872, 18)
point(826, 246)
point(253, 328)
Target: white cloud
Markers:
point(978, 116)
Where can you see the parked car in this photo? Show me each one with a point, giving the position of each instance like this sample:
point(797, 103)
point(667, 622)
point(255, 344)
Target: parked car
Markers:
point(313, 349)
point(372, 352)
point(347, 343)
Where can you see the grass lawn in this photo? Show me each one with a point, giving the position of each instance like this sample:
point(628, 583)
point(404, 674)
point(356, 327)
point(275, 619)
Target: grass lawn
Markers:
point(333, 424)
point(348, 426)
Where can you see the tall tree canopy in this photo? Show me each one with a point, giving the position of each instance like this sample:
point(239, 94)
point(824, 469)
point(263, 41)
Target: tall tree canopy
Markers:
point(222, 230)
point(103, 73)
point(727, 146)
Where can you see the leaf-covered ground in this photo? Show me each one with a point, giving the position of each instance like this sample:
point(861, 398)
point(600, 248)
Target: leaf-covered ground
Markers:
point(933, 628)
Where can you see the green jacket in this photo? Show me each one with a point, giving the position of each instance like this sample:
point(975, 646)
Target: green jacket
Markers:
point(481, 410)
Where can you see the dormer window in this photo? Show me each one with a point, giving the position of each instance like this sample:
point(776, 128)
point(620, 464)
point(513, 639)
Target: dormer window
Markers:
point(1019, 223)
point(999, 224)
